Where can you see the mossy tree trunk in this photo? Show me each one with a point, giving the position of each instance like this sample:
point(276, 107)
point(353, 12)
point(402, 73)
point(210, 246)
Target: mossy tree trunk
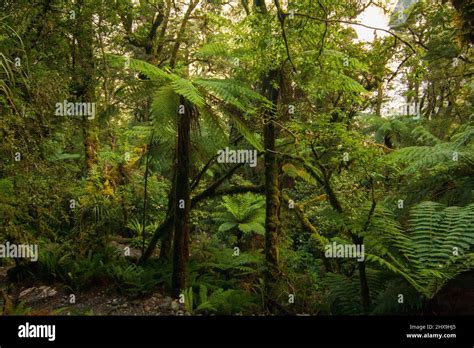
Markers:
point(83, 68)
point(378, 106)
point(272, 187)
point(272, 190)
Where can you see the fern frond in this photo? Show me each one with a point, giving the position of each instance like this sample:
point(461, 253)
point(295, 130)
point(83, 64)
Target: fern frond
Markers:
point(188, 90)
point(424, 137)
point(147, 69)
point(252, 138)
point(214, 49)
point(436, 248)
point(232, 92)
point(164, 107)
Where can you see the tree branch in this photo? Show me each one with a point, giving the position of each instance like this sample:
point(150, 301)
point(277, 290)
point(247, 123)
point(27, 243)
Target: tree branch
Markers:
point(179, 36)
point(281, 19)
point(356, 23)
point(324, 35)
point(198, 177)
point(395, 73)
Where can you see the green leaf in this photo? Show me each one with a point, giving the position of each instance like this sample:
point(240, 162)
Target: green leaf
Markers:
point(226, 226)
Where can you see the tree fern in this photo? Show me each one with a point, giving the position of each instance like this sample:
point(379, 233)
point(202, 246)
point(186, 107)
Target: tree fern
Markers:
point(464, 135)
point(453, 154)
point(214, 49)
point(179, 85)
point(436, 248)
point(424, 137)
point(232, 92)
point(245, 213)
point(436, 232)
point(224, 260)
point(343, 294)
point(147, 69)
point(196, 91)
point(251, 137)
point(164, 107)
point(187, 89)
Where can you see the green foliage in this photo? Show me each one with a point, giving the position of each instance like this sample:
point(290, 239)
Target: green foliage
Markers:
point(342, 161)
point(21, 309)
point(215, 266)
point(388, 300)
point(218, 302)
point(133, 280)
point(145, 68)
point(343, 294)
point(435, 250)
point(244, 213)
point(58, 262)
point(296, 172)
point(137, 228)
point(233, 92)
point(213, 49)
point(229, 91)
point(440, 170)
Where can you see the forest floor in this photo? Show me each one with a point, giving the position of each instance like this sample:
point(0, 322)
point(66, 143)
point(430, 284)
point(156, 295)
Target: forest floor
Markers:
point(55, 299)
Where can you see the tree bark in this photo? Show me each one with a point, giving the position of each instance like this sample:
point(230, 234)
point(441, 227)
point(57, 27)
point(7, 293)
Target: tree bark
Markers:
point(272, 191)
point(364, 286)
point(83, 66)
point(182, 201)
point(182, 29)
point(167, 241)
point(378, 108)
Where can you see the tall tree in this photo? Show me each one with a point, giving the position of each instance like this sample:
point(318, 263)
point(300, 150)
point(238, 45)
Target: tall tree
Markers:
point(83, 74)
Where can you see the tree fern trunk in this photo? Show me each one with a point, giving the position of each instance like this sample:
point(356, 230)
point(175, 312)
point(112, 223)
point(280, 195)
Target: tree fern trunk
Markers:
point(166, 251)
point(364, 287)
point(167, 245)
point(145, 191)
point(183, 202)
